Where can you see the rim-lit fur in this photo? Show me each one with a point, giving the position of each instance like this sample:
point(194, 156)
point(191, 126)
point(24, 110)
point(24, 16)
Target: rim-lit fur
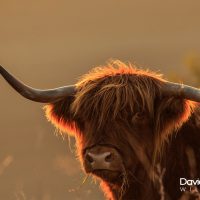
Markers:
point(118, 96)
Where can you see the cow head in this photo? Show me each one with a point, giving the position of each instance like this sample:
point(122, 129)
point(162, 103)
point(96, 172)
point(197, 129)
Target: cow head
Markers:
point(120, 116)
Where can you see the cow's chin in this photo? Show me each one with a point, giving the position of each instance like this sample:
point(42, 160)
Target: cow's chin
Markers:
point(110, 176)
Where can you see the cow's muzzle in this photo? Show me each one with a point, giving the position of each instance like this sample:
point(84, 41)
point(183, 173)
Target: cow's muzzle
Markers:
point(102, 158)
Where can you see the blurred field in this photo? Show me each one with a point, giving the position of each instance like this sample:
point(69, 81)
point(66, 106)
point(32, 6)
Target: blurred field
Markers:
point(51, 43)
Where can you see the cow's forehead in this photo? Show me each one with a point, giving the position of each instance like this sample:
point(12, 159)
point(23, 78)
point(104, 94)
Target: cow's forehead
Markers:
point(114, 99)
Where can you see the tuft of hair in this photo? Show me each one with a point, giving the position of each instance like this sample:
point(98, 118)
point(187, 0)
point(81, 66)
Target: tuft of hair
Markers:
point(116, 91)
point(60, 115)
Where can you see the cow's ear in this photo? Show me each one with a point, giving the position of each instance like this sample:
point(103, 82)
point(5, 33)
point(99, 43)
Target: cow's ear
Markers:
point(60, 115)
point(171, 113)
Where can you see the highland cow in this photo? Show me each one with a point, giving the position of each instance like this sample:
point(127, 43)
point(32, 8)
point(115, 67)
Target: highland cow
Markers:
point(135, 131)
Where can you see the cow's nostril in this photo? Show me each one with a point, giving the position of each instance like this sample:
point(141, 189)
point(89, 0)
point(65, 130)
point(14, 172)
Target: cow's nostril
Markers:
point(99, 159)
point(89, 158)
point(109, 157)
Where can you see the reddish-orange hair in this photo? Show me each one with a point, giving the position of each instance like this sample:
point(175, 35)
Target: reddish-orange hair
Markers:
point(118, 92)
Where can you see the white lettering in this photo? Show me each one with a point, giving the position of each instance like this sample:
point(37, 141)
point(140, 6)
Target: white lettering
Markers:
point(190, 182)
point(182, 189)
point(197, 182)
point(183, 181)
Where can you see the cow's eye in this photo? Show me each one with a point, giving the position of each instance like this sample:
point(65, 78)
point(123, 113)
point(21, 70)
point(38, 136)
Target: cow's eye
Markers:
point(139, 118)
point(139, 115)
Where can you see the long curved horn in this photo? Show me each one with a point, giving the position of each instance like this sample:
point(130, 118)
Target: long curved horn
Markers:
point(181, 90)
point(43, 96)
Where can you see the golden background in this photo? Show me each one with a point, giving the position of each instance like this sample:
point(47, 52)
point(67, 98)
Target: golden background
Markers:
point(51, 43)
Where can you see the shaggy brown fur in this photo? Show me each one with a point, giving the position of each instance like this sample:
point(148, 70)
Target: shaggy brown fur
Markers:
point(121, 105)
